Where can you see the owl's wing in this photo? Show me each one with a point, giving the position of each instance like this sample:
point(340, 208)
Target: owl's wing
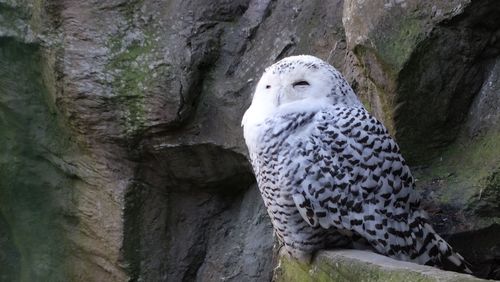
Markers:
point(351, 175)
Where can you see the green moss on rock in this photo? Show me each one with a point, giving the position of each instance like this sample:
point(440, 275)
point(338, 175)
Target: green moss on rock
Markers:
point(35, 194)
point(466, 175)
point(395, 45)
point(13, 20)
point(355, 265)
point(9, 254)
point(131, 77)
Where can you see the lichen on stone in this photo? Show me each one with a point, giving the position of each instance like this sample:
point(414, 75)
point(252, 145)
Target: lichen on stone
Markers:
point(131, 67)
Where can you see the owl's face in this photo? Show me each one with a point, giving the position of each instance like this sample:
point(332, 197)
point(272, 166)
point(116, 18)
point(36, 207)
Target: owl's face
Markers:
point(293, 79)
point(295, 84)
point(298, 83)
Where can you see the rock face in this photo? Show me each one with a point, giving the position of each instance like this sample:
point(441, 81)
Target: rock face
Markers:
point(122, 155)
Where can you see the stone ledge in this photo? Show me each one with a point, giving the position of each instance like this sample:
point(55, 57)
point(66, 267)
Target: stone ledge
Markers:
point(357, 265)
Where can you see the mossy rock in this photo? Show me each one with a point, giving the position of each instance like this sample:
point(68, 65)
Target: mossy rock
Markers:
point(356, 265)
point(35, 194)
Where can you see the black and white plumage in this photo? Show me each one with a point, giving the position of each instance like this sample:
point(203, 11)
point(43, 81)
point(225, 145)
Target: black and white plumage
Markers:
point(329, 173)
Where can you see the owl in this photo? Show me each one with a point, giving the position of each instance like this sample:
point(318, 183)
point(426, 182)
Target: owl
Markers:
point(329, 173)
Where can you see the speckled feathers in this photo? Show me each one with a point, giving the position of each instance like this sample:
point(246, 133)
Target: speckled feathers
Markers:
point(329, 173)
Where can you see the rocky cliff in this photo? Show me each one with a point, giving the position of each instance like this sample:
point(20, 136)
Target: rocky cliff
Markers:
point(122, 155)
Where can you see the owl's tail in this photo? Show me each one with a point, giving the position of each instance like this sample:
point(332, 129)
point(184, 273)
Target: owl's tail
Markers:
point(431, 249)
point(413, 239)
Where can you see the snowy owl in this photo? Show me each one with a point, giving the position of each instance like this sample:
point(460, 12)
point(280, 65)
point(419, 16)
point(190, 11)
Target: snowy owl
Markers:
point(329, 172)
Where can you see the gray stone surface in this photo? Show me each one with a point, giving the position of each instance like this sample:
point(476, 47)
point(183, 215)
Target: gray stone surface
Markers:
point(484, 113)
point(122, 154)
point(9, 254)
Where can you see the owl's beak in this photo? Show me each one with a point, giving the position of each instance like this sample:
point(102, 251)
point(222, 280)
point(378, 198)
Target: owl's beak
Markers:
point(279, 97)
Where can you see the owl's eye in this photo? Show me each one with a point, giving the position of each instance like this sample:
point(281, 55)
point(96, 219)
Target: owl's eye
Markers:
point(300, 83)
point(268, 86)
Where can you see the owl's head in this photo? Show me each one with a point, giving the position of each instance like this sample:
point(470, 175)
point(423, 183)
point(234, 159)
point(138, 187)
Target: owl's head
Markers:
point(298, 83)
